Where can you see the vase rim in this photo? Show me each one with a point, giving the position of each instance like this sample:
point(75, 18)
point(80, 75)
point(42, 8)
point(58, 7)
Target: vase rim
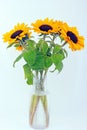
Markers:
point(41, 93)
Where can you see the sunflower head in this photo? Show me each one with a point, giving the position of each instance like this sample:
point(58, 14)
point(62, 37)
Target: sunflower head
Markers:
point(19, 48)
point(45, 26)
point(18, 33)
point(58, 26)
point(71, 36)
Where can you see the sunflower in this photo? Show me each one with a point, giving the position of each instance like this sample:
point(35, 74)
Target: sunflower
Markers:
point(58, 26)
point(71, 36)
point(19, 48)
point(19, 32)
point(45, 26)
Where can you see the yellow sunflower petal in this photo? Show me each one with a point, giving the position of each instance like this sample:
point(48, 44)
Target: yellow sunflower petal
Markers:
point(18, 32)
point(71, 36)
point(45, 26)
point(58, 26)
point(19, 48)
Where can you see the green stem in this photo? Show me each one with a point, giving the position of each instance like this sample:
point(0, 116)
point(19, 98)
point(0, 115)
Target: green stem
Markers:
point(54, 37)
point(34, 104)
point(33, 108)
point(44, 36)
point(64, 44)
point(40, 77)
point(45, 73)
point(45, 106)
point(41, 81)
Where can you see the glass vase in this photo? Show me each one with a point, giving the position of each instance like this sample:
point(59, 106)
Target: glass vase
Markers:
point(39, 114)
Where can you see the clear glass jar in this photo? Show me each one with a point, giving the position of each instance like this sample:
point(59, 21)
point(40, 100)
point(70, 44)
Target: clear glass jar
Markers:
point(39, 114)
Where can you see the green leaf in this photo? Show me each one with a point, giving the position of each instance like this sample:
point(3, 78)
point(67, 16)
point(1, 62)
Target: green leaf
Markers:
point(10, 45)
point(39, 62)
point(48, 61)
point(28, 74)
point(57, 48)
point(66, 54)
point(42, 46)
point(29, 57)
point(17, 59)
point(61, 52)
point(57, 58)
point(59, 66)
point(17, 44)
point(48, 53)
point(31, 44)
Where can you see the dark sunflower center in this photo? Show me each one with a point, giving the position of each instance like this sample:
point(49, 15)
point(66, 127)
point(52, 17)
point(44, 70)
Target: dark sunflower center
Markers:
point(15, 34)
point(45, 27)
point(72, 36)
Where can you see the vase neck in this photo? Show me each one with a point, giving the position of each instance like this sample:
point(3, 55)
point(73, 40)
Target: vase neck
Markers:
point(40, 77)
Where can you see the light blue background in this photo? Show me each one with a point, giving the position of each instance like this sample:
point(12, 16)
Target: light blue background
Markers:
point(67, 90)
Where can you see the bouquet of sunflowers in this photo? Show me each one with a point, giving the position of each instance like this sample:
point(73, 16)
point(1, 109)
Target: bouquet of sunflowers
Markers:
point(42, 54)
point(39, 55)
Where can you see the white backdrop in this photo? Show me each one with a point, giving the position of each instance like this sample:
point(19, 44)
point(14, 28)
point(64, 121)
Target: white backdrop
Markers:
point(68, 90)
